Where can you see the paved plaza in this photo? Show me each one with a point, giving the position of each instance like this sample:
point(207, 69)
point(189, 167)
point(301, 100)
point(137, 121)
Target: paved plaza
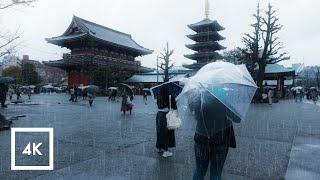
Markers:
point(274, 142)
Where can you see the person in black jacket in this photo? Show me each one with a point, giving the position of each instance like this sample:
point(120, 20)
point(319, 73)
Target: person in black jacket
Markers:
point(3, 94)
point(214, 135)
point(165, 137)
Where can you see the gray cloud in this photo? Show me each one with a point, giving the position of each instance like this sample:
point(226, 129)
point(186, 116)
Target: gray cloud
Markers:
point(154, 22)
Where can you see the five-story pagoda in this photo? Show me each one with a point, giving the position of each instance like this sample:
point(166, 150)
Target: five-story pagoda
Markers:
point(206, 41)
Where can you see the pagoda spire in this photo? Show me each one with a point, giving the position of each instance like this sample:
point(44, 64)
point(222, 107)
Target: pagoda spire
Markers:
point(207, 9)
point(206, 41)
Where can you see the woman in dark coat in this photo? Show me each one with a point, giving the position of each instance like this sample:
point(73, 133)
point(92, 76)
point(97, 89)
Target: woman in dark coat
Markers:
point(165, 137)
point(125, 105)
point(214, 135)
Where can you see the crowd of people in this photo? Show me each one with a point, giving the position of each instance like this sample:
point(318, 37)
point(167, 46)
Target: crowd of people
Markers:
point(11, 90)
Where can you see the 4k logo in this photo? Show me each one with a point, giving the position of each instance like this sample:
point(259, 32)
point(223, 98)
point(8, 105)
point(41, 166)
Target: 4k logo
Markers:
point(31, 149)
point(35, 150)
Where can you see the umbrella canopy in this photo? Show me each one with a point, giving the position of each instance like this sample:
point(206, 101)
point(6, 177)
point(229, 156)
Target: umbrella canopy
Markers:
point(297, 88)
point(6, 80)
point(92, 89)
point(127, 89)
point(48, 86)
point(174, 89)
point(218, 85)
point(83, 87)
point(113, 88)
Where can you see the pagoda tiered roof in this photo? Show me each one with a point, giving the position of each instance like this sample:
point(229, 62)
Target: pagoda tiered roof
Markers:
point(81, 29)
point(212, 45)
point(203, 55)
point(206, 43)
point(211, 36)
point(206, 23)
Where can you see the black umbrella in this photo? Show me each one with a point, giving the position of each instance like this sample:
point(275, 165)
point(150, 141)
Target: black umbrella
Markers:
point(174, 89)
point(127, 89)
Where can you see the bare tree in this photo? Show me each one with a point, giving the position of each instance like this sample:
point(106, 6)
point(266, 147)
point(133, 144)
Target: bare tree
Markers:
point(265, 52)
point(166, 65)
point(7, 38)
point(318, 76)
point(251, 42)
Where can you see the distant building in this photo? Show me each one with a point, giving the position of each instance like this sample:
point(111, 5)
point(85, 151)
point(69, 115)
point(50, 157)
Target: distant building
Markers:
point(150, 79)
point(48, 74)
point(279, 77)
point(10, 60)
point(298, 67)
point(98, 53)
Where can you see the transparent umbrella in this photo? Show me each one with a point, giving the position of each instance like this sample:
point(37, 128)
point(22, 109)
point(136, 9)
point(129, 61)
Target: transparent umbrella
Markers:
point(217, 94)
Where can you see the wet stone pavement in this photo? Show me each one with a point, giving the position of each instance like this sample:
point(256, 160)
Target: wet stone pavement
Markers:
point(274, 142)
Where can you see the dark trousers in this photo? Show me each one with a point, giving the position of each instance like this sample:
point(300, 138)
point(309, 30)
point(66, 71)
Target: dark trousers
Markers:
point(205, 154)
point(165, 137)
point(3, 99)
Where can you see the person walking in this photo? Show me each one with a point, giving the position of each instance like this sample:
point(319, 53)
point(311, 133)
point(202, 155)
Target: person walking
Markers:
point(165, 137)
point(3, 94)
point(91, 97)
point(84, 94)
point(294, 93)
point(145, 98)
point(18, 93)
point(29, 93)
point(76, 93)
point(270, 96)
point(10, 93)
point(125, 105)
point(71, 94)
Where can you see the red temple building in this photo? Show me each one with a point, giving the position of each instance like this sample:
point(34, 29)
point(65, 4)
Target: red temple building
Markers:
point(99, 55)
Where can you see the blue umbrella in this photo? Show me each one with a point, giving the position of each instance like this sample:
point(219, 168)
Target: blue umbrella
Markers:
point(174, 89)
point(92, 89)
point(6, 80)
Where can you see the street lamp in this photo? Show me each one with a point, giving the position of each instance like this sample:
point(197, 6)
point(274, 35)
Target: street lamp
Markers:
point(157, 70)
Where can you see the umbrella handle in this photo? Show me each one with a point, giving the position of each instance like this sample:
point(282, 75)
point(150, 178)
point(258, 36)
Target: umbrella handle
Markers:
point(170, 102)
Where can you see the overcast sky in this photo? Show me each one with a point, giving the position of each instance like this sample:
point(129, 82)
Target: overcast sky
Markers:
point(154, 22)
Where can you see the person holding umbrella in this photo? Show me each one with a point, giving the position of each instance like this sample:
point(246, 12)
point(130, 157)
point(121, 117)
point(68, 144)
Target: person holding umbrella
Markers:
point(91, 91)
point(216, 97)
point(4, 81)
point(165, 95)
point(3, 94)
point(125, 104)
point(165, 137)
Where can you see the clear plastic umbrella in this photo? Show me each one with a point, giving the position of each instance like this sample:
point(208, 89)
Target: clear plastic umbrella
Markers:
point(219, 92)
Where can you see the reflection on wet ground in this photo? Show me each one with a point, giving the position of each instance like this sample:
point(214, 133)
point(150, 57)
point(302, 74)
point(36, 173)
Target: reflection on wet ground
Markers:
point(277, 141)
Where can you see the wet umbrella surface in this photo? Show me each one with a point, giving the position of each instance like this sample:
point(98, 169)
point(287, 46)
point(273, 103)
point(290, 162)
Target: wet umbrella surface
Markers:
point(219, 89)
